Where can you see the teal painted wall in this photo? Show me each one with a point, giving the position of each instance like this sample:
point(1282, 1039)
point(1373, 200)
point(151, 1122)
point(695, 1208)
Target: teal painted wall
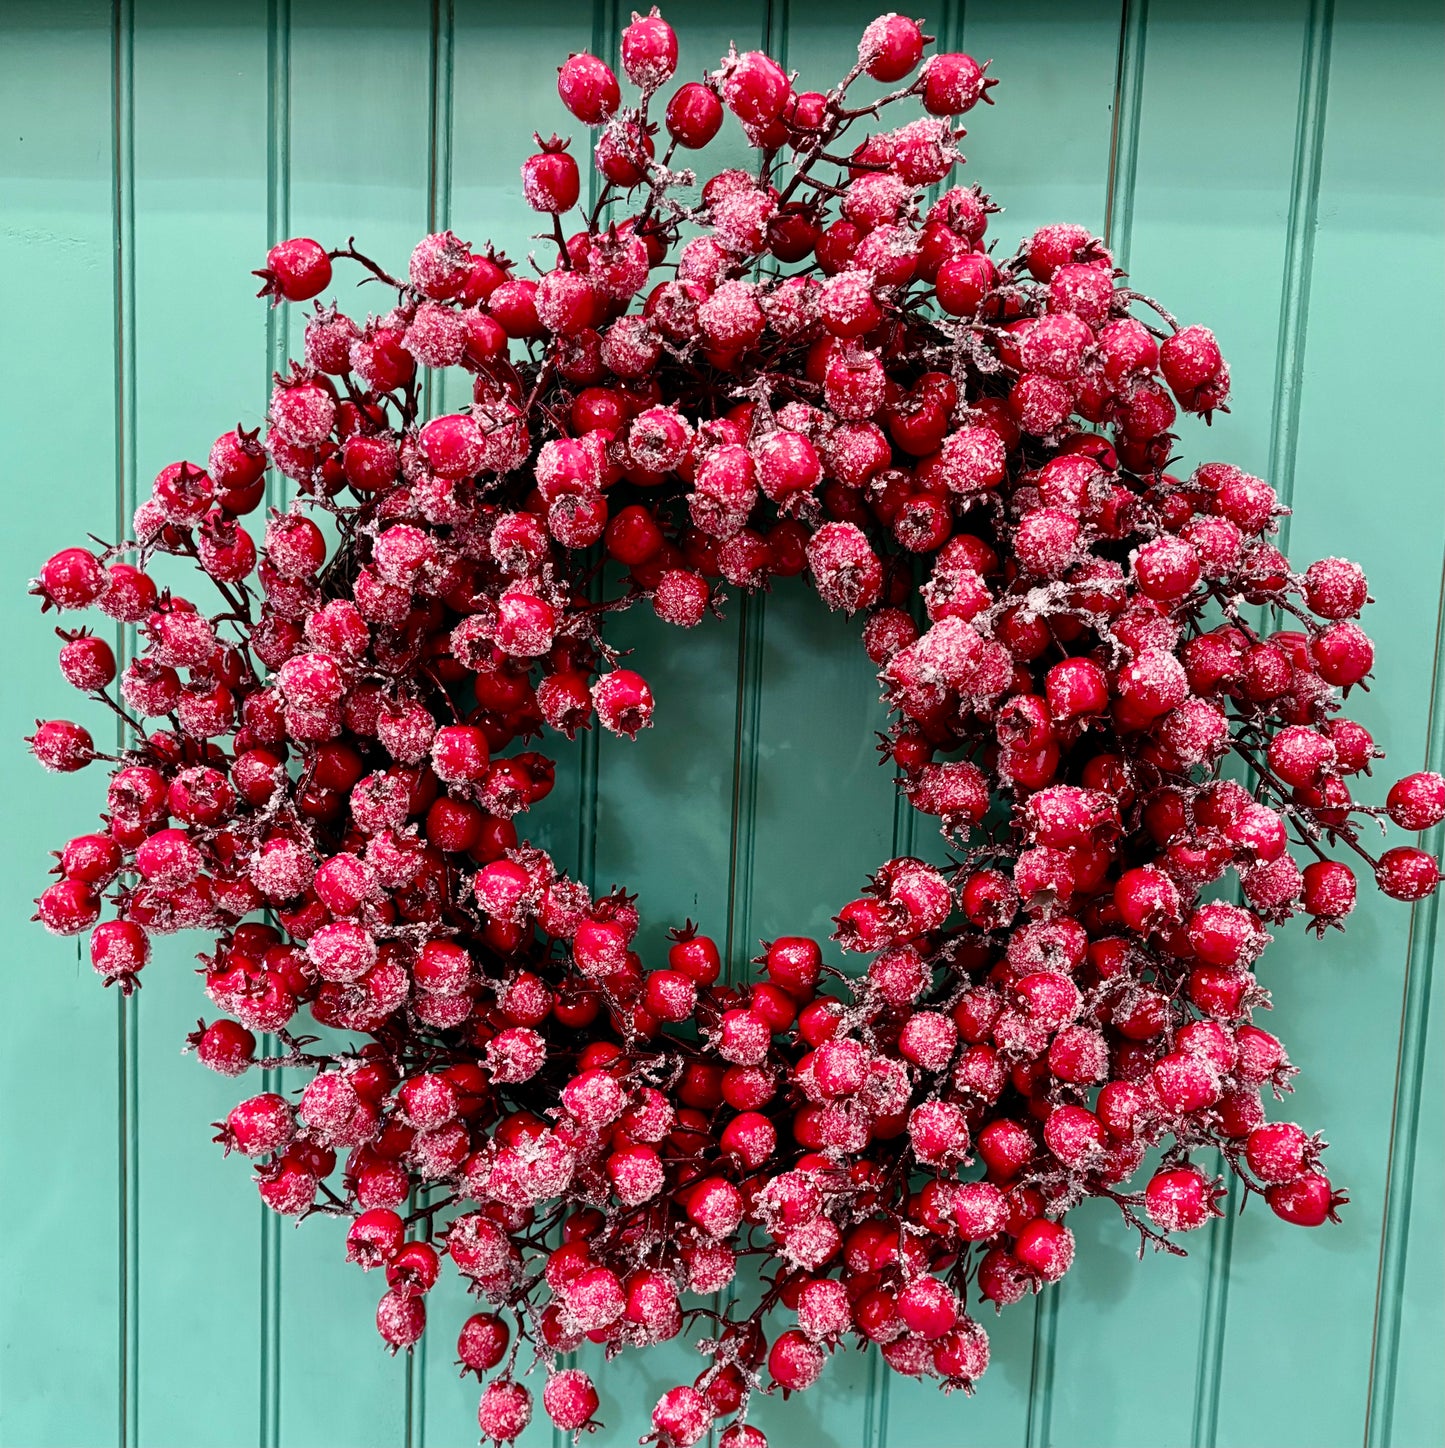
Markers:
point(1271, 168)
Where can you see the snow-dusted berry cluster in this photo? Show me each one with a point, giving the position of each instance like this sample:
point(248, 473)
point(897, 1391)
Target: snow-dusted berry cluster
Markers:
point(815, 368)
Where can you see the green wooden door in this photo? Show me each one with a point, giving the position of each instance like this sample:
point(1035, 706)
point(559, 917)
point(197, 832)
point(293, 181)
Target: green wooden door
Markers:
point(1270, 167)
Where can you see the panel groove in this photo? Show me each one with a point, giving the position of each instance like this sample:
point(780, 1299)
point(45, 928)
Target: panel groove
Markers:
point(775, 30)
point(1301, 227)
point(278, 191)
point(1420, 960)
point(1304, 201)
point(1124, 139)
point(953, 17)
point(127, 1015)
point(605, 38)
point(875, 1407)
point(438, 218)
point(440, 82)
point(278, 227)
point(1213, 1321)
point(752, 613)
point(439, 177)
point(948, 40)
point(1041, 1378)
point(587, 808)
point(752, 610)
point(744, 788)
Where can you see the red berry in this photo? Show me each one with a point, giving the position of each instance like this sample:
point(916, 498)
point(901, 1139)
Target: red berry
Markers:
point(1189, 359)
point(73, 578)
point(1417, 802)
point(754, 87)
point(1045, 1248)
point(550, 180)
point(1180, 1200)
point(62, 747)
point(891, 47)
point(1406, 873)
point(954, 84)
point(225, 1047)
point(482, 1343)
point(682, 1416)
point(623, 702)
point(259, 1126)
point(374, 1239)
point(694, 115)
point(1329, 890)
point(1343, 654)
point(296, 270)
point(505, 1410)
point(118, 950)
point(794, 1361)
point(1308, 1201)
point(570, 1399)
point(649, 51)
point(1335, 588)
point(588, 89)
point(963, 282)
point(87, 662)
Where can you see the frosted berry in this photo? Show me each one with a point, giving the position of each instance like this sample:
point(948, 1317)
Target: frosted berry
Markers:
point(681, 1416)
point(482, 1342)
point(296, 270)
point(1417, 802)
point(1307, 1201)
point(649, 51)
point(550, 179)
point(1406, 873)
point(570, 1399)
point(891, 47)
point(62, 747)
point(623, 702)
point(225, 1047)
point(954, 84)
point(588, 89)
point(73, 578)
point(1180, 1200)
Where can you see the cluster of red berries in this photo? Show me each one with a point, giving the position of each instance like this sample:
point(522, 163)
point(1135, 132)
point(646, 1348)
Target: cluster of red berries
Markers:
point(835, 379)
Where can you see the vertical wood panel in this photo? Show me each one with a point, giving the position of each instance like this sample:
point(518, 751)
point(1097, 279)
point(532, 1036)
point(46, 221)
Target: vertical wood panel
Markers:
point(358, 105)
point(62, 1211)
point(692, 861)
point(822, 809)
point(1301, 219)
point(503, 67)
point(278, 319)
point(123, 242)
point(435, 1347)
point(1176, 205)
point(1045, 152)
point(1404, 1404)
point(1302, 1308)
point(200, 195)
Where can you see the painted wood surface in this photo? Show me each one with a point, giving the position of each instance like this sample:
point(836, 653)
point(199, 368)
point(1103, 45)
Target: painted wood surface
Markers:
point(1270, 168)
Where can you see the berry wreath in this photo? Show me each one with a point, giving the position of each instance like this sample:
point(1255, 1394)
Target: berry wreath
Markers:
point(839, 381)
